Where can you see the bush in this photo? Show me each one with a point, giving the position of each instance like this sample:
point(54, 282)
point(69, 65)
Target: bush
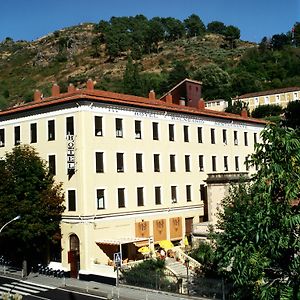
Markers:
point(267, 110)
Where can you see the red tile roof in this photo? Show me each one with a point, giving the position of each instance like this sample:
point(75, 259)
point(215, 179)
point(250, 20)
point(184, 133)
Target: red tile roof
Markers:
point(111, 97)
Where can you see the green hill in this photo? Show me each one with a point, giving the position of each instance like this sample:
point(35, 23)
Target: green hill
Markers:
point(74, 54)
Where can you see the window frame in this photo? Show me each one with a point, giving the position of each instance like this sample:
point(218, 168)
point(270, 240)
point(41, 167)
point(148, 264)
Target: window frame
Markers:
point(51, 130)
point(98, 125)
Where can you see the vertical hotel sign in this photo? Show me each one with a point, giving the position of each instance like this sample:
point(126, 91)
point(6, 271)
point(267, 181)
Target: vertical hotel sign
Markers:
point(70, 154)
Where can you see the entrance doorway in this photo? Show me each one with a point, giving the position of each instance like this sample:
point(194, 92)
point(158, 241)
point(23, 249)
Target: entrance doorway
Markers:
point(74, 256)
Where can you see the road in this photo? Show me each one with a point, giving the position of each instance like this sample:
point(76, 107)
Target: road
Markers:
point(34, 291)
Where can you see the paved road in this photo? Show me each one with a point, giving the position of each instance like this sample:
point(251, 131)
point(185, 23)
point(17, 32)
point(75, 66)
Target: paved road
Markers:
point(34, 291)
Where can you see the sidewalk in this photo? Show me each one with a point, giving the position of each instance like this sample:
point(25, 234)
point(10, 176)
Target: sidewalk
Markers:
point(101, 289)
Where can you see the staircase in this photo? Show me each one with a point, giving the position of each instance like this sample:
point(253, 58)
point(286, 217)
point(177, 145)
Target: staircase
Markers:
point(181, 271)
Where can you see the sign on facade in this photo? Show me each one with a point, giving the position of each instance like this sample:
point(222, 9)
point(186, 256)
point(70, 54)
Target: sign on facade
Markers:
point(70, 153)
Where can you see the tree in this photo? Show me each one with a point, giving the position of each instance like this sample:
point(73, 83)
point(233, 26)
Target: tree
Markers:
point(214, 80)
point(153, 35)
point(177, 74)
point(216, 27)
point(132, 79)
point(194, 26)
point(266, 110)
point(27, 188)
point(278, 41)
point(232, 34)
point(296, 34)
point(292, 115)
point(258, 243)
point(237, 107)
point(173, 28)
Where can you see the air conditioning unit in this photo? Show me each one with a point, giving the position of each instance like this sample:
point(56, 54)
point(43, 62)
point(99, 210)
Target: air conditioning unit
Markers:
point(236, 142)
point(201, 169)
point(1, 144)
point(225, 168)
point(174, 200)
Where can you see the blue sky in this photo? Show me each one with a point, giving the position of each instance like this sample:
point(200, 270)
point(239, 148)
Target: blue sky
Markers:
point(31, 19)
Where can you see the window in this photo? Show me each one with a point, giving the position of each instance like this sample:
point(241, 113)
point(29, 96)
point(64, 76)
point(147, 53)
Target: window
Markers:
point(172, 163)
point(186, 133)
point(157, 195)
point(121, 197)
point(140, 196)
point(201, 163)
point(188, 193)
point(246, 138)
point(71, 200)
point(214, 163)
point(155, 131)
point(203, 191)
point(137, 129)
point(52, 164)
point(247, 162)
point(187, 163)
point(70, 125)
point(119, 127)
point(156, 162)
point(174, 193)
point(200, 135)
point(171, 132)
point(224, 134)
point(33, 133)
point(139, 162)
point(100, 199)
point(99, 162)
point(2, 137)
point(212, 136)
point(235, 137)
point(17, 130)
point(225, 163)
point(267, 100)
point(98, 126)
point(236, 159)
point(51, 130)
point(255, 138)
point(120, 162)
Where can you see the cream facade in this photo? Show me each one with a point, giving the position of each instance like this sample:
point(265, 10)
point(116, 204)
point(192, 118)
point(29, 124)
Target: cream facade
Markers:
point(218, 104)
point(275, 97)
point(133, 169)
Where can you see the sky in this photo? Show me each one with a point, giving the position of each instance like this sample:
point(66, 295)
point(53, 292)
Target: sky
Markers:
point(32, 19)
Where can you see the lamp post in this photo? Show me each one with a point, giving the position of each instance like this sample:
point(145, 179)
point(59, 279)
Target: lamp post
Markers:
point(14, 219)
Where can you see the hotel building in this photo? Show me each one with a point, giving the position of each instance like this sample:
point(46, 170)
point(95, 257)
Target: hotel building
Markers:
point(133, 169)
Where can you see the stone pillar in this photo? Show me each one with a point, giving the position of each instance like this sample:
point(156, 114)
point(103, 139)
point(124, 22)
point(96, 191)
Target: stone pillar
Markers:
point(217, 189)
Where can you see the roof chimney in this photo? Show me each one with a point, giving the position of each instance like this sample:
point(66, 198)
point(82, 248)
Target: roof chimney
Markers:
point(244, 113)
point(71, 88)
point(201, 104)
point(90, 84)
point(169, 99)
point(55, 90)
point(37, 97)
point(152, 95)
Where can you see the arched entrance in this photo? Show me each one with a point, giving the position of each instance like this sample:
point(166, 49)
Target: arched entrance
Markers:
point(74, 256)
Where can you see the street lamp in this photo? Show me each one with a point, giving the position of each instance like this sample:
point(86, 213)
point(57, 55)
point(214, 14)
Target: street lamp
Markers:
point(14, 219)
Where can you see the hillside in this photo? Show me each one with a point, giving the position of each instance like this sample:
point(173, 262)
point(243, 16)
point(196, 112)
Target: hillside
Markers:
point(67, 56)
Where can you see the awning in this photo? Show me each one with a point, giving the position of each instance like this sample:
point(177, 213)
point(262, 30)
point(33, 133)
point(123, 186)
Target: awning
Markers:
point(121, 241)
